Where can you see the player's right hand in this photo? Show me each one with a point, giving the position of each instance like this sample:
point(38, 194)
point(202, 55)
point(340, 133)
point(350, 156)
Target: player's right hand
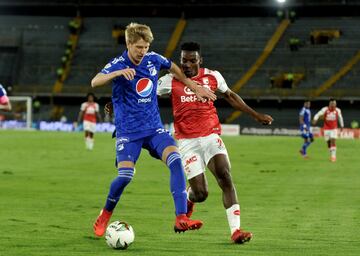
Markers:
point(128, 73)
point(264, 119)
point(109, 108)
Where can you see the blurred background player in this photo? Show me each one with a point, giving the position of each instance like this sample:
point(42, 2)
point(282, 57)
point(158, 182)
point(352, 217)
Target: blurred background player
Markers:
point(134, 76)
point(4, 100)
point(197, 129)
point(332, 115)
point(89, 114)
point(305, 129)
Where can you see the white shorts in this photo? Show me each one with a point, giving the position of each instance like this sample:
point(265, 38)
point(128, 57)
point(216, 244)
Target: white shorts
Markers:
point(89, 126)
point(330, 134)
point(196, 153)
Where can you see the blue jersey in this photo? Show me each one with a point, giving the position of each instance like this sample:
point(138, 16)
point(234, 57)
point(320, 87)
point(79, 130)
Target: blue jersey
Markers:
point(135, 103)
point(2, 91)
point(306, 113)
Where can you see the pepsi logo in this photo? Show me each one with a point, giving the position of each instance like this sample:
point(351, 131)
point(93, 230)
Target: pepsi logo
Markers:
point(144, 87)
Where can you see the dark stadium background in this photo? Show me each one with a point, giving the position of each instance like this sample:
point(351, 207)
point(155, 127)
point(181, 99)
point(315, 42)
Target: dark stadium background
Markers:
point(21, 52)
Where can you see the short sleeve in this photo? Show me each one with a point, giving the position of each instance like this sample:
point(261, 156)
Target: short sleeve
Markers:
point(96, 107)
point(302, 112)
point(221, 83)
point(164, 85)
point(83, 106)
point(111, 66)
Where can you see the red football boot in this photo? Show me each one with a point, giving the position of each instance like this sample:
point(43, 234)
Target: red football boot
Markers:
point(183, 223)
point(101, 222)
point(241, 236)
point(190, 208)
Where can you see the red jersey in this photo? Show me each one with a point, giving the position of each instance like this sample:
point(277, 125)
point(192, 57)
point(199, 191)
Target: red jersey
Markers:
point(90, 110)
point(193, 118)
point(331, 118)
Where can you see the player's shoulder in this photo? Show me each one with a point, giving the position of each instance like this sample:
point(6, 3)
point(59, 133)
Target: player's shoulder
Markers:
point(338, 110)
point(325, 109)
point(152, 55)
point(155, 56)
point(115, 63)
point(214, 73)
point(207, 71)
point(168, 78)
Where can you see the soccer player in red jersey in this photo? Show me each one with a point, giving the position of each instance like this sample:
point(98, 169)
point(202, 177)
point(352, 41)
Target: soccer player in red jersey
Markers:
point(332, 115)
point(197, 129)
point(89, 114)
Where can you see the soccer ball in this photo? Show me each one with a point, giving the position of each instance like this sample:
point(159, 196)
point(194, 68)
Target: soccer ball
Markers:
point(119, 235)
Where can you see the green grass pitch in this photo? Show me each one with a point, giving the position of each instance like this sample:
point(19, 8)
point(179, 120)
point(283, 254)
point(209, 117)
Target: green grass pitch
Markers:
point(51, 190)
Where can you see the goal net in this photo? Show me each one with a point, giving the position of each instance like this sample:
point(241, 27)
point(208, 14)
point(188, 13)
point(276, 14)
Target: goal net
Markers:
point(20, 116)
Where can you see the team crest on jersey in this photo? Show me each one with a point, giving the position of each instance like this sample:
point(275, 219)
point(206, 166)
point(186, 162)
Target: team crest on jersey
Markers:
point(188, 91)
point(205, 80)
point(144, 87)
point(153, 71)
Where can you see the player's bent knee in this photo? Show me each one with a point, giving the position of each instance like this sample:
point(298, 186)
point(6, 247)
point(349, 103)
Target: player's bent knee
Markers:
point(201, 195)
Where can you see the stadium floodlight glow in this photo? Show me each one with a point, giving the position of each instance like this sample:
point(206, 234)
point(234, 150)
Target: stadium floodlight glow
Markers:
point(281, 1)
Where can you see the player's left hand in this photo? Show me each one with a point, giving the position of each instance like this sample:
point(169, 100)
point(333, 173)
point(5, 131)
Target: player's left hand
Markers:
point(204, 93)
point(109, 108)
point(264, 119)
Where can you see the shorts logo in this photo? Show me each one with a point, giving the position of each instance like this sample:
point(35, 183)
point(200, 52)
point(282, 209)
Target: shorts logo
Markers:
point(190, 160)
point(144, 87)
point(120, 147)
point(220, 143)
point(120, 143)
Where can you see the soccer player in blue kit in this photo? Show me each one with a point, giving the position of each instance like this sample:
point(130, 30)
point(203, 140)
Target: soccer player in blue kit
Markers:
point(305, 121)
point(134, 77)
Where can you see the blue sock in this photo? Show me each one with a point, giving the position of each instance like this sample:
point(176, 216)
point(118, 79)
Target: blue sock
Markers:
point(117, 187)
point(304, 147)
point(177, 182)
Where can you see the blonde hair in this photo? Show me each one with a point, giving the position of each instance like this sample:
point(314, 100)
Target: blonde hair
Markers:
point(135, 32)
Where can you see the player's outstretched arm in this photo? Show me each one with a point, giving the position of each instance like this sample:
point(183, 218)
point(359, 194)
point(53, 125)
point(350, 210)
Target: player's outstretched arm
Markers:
point(201, 92)
point(318, 115)
point(104, 79)
point(237, 103)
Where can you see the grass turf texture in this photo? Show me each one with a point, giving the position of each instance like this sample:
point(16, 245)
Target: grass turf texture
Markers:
point(52, 189)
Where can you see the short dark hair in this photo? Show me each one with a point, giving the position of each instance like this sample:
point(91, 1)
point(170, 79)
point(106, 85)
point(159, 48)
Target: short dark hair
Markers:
point(90, 94)
point(332, 99)
point(191, 46)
